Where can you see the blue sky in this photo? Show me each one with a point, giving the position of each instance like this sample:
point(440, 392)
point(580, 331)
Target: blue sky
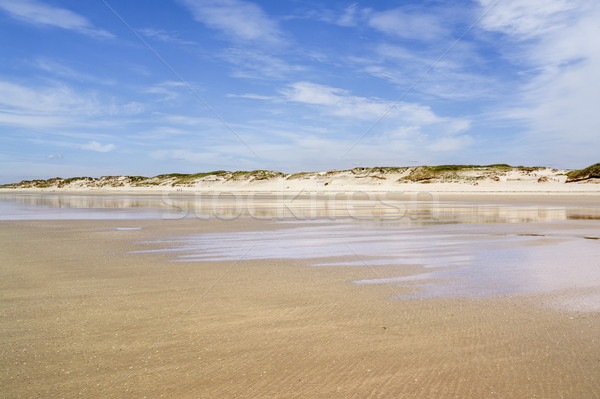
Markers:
point(146, 87)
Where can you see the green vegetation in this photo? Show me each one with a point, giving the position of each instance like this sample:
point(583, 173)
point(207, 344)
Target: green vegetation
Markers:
point(299, 175)
point(382, 170)
point(422, 174)
point(387, 169)
point(591, 172)
point(238, 175)
point(188, 179)
point(452, 172)
point(448, 172)
point(255, 175)
point(65, 182)
point(170, 176)
point(265, 174)
point(137, 178)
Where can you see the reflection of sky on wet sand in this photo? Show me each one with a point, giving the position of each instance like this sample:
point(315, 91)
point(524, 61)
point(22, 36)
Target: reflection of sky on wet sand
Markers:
point(459, 260)
point(464, 248)
point(408, 208)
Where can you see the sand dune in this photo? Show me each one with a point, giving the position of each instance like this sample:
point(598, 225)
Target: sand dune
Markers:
point(445, 178)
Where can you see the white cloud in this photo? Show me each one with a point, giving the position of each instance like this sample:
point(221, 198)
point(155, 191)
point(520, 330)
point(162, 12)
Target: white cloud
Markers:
point(454, 143)
point(168, 90)
point(349, 17)
point(252, 96)
point(342, 103)
point(240, 20)
point(558, 101)
point(61, 70)
point(165, 36)
point(187, 120)
point(258, 65)
point(95, 146)
point(210, 157)
point(32, 121)
point(409, 25)
point(35, 12)
point(48, 101)
point(335, 101)
point(526, 18)
point(408, 129)
point(57, 105)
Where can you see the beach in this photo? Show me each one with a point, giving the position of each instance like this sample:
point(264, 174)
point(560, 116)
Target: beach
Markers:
point(206, 307)
point(259, 199)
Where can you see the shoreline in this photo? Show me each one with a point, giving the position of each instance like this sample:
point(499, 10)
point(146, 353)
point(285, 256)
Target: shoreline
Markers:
point(315, 205)
point(541, 189)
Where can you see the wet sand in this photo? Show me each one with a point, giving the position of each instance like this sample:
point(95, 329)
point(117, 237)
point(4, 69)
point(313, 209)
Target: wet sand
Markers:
point(82, 316)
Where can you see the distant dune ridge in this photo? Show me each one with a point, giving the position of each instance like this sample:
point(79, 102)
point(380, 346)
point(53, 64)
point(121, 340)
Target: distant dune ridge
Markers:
point(516, 178)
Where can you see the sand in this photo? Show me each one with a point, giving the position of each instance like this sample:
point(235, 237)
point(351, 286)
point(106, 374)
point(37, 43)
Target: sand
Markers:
point(541, 181)
point(82, 316)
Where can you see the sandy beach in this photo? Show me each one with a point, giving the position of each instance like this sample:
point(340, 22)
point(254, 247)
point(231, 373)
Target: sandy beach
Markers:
point(297, 199)
point(87, 313)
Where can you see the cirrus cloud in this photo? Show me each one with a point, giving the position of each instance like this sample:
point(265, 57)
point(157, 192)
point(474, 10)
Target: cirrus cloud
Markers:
point(240, 20)
point(38, 13)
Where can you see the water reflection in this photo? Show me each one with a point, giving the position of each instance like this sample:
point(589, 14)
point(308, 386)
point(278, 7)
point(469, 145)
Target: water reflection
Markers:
point(415, 208)
point(476, 260)
point(493, 246)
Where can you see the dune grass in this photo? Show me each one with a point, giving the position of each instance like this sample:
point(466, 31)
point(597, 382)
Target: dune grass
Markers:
point(452, 172)
point(591, 172)
point(422, 174)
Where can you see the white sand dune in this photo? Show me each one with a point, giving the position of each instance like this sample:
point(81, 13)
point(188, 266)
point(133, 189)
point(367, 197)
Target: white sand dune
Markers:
point(448, 179)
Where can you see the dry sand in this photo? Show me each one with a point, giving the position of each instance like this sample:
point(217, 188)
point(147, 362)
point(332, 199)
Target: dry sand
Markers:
point(83, 317)
point(541, 181)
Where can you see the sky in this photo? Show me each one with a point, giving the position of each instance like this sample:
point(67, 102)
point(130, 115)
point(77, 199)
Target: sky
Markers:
point(107, 87)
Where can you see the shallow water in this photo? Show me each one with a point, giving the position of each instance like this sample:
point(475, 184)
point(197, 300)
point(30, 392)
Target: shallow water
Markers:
point(404, 208)
point(462, 248)
point(459, 260)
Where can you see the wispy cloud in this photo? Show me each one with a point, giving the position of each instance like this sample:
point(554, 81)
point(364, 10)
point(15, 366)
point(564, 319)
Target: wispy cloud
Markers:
point(558, 96)
point(253, 96)
point(239, 20)
point(165, 36)
point(57, 105)
point(409, 125)
point(350, 16)
point(183, 155)
point(335, 101)
point(38, 13)
point(59, 69)
point(342, 103)
point(526, 18)
point(187, 120)
point(409, 25)
point(167, 90)
point(91, 145)
point(96, 146)
point(448, 79)
point(48, 101)
point(254, 64)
